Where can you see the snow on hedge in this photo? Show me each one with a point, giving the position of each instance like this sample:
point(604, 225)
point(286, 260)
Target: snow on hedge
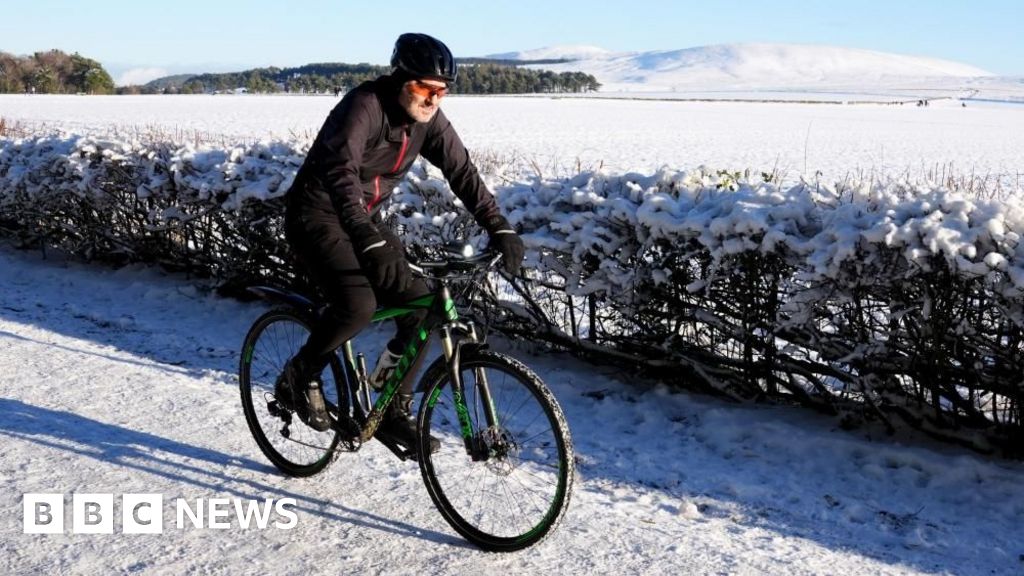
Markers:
point(634, 241)
point(822, 229)
point(596, 213)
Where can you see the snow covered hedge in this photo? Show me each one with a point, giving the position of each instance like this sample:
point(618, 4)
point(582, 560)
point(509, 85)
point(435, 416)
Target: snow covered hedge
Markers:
point(128, 201)
point(875, 299)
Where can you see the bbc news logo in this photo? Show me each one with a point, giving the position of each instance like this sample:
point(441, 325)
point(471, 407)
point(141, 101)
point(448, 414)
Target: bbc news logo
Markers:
point(144, 513)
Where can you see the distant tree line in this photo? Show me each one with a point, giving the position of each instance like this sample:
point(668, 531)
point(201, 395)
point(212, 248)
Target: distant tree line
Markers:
point(500, 79)
point(317, 78)
point(53, 72)
point(477, 76)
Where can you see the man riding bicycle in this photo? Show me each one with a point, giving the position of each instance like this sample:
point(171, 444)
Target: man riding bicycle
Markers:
point(333, 219)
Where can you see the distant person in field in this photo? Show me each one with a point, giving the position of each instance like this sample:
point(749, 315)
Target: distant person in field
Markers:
point(333, 220)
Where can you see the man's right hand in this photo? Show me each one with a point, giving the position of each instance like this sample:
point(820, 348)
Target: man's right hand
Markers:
point(387, 268)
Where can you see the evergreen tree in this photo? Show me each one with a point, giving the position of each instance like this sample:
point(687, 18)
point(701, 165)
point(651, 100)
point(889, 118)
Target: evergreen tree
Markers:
point(193, 87)
point(43, 81)
point(53, 72)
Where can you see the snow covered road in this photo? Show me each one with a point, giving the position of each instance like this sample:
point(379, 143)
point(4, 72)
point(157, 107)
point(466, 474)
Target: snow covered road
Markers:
point(123, 382)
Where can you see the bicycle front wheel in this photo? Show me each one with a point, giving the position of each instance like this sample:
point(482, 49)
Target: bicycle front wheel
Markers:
point(515, 486)
point(293, 447)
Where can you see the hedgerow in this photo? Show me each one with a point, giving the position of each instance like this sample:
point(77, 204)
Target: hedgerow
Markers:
point(889, 300)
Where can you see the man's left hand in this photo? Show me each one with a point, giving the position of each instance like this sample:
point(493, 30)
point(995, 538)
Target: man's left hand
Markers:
point(504, 239)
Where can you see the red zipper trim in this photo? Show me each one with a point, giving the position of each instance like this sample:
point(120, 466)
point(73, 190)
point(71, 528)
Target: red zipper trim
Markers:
point(401, 152)
point(376, 194)
point(376, 181)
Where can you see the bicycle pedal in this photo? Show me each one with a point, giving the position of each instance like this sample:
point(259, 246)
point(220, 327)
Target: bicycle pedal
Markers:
point(398, 449)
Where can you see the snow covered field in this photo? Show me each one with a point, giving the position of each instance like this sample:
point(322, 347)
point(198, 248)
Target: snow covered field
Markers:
point(561, 135)
point(124, 382)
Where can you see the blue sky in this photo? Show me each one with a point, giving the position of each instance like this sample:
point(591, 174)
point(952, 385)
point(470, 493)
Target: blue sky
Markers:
point(220, 35)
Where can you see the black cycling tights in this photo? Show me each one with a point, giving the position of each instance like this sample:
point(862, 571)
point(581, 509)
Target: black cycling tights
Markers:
point(327, 253)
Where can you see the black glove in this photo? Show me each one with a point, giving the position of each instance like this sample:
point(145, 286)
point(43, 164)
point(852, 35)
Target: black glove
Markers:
point(504, 239)
point(387, 268)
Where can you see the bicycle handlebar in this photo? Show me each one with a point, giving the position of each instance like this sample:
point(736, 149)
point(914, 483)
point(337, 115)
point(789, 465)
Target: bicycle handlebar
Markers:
point(455, 261)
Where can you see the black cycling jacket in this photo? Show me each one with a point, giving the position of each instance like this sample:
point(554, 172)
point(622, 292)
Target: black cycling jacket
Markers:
point(363, 150)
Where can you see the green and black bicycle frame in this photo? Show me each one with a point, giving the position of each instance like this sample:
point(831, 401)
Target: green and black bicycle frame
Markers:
point(457, 339)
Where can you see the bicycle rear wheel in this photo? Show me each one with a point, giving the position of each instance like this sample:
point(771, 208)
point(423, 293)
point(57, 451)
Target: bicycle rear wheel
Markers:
point(519, 492)
point(293, 447)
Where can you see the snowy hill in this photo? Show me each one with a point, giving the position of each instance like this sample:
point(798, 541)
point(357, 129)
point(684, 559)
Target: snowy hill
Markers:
point(575, 52)
point(762, 68)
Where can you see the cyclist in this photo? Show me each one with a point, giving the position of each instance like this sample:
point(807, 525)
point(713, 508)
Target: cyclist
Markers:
point(333, 222)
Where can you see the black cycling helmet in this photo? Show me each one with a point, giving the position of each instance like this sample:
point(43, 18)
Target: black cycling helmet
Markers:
point(422, 56)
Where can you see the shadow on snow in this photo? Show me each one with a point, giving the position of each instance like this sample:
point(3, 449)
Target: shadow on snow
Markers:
point(181, 463)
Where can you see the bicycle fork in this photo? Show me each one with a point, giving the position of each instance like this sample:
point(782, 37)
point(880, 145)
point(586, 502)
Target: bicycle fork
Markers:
point(476, 445)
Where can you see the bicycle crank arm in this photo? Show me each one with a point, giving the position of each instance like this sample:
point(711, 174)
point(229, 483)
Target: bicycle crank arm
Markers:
point(402, 451)
point(373, 420)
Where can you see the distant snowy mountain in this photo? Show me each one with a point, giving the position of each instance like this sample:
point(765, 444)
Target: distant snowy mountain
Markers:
point(556, 53)
point(753, 67)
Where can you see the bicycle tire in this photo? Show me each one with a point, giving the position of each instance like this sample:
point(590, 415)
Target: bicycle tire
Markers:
point(478, 499)
point(273, 339)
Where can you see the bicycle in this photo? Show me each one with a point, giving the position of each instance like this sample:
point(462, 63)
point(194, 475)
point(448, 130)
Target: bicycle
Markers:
point(503, 475)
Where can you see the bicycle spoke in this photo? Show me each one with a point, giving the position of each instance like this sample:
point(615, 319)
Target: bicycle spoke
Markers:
point(519, 486)
point(292, 446)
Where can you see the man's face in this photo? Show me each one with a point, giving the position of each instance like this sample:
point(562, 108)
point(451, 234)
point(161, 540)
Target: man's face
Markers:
point(421, 98)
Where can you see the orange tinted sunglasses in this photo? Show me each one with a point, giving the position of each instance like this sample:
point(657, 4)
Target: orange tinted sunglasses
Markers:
point(426, 90)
